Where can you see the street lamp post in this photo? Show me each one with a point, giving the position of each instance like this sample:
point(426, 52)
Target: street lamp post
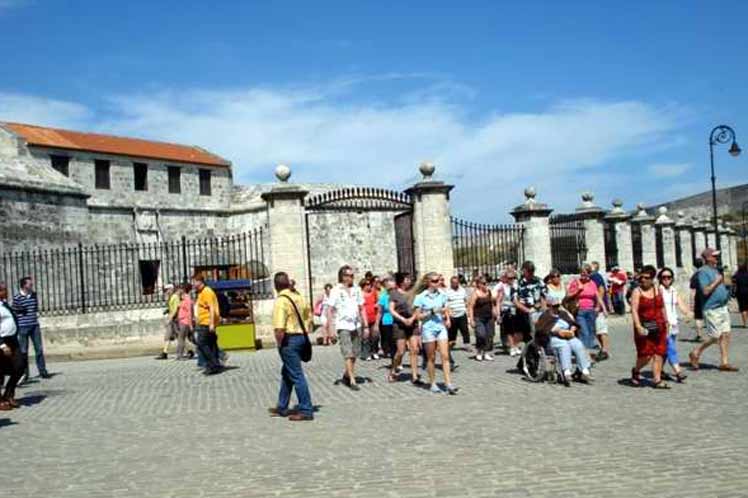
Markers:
point(721, 134)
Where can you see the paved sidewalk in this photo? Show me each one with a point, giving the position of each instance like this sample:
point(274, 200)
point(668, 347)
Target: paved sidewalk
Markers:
point(144, 428)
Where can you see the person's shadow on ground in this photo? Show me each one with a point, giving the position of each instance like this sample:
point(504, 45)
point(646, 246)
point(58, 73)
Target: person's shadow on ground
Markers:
point(6, 422)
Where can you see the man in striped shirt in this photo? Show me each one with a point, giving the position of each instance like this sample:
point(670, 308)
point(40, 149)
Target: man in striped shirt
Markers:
point(26, 307)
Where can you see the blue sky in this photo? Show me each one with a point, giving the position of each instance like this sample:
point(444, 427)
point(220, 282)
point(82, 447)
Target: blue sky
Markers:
point(567, 96)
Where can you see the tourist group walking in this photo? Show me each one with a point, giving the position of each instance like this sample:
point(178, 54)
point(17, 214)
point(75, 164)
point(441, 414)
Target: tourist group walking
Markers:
point(394, 318)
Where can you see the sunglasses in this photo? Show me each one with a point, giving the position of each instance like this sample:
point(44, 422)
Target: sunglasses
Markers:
point(434, 281)
point(645, 277)
point(666, 277)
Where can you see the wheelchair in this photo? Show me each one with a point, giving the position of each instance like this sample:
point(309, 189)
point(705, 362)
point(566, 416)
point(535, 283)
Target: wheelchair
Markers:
point(539, 364)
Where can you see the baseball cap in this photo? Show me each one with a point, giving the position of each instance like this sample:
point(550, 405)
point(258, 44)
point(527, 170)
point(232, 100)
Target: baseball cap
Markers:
point(709, 252)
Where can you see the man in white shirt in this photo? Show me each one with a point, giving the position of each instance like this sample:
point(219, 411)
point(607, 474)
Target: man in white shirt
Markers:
point(346, 308)
point(11, 360)
point(457, 304)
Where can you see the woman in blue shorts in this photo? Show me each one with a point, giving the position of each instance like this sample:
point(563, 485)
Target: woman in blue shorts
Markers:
point(430, 306)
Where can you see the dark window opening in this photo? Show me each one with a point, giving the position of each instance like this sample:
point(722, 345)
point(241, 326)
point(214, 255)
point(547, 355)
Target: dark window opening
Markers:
point(140, 173)
point(102, 174)
point(61, 164)
point(149, 275)
point(175, 180)
point(204, 182)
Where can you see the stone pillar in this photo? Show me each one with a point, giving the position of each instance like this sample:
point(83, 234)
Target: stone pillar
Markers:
point(686, 249)
point(594, 231)
point(711, 236)
point(534, 216)
point(649, 247)
point(621, 218)
point(667, 226)
point(734, 249)
point(622, 225)
point(432, 230)
point(699, 235)
point(287, 230)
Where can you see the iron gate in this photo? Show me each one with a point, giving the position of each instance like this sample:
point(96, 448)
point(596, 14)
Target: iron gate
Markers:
point(611, 245)
point(636, 245)
point(568, 244)
point(365, 199)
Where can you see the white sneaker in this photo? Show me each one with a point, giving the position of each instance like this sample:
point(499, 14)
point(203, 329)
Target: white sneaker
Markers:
point(513, 352)
point(479, 357)
point(488, 357)
point(375, 356)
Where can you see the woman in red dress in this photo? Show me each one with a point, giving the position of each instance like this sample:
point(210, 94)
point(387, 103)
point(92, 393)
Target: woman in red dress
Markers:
point(650, 328)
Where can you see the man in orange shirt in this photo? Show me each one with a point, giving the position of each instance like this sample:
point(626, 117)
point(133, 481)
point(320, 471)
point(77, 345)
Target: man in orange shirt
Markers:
point(207, 318)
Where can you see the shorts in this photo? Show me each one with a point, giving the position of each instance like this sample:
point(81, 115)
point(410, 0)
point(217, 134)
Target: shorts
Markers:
point(434, 335)
point(522, 324)
point(742, 302)
point(508, 322)
point(601, 324)
point(717, 322)
point(350, 343)
point(401, 333)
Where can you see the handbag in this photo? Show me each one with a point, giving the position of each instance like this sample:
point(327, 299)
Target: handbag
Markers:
point(651, 327)
point(306, 350)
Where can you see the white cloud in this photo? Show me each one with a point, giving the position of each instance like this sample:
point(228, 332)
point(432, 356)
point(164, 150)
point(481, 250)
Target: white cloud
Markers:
point(43, 111)
point(668, 170)
point(326, 137)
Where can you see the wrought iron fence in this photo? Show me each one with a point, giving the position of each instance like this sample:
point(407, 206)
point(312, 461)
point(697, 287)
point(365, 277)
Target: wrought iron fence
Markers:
point(611, 245)
point(485, 249)
point(83, 279)
point(568, 246)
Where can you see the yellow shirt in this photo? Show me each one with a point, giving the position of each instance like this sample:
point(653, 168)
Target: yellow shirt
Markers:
point(205, 299)
point(173, 305)
point(284, 316)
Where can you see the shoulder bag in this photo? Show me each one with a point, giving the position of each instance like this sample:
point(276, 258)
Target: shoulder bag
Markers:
point(306, 351)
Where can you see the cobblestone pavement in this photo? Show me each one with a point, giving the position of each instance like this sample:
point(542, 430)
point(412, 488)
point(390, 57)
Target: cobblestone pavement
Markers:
point(144, 428)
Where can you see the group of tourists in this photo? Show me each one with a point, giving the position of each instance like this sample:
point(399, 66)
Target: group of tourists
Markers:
point(392, 315)
point(192, 323)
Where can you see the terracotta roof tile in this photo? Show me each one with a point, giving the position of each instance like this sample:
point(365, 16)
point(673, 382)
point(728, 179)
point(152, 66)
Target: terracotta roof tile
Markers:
point(94, 142)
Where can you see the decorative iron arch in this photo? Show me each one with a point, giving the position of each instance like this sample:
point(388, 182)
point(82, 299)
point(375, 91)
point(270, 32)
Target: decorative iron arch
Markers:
point(360, 199)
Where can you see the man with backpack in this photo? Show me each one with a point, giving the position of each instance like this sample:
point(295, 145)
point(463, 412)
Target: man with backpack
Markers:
point(291, 320)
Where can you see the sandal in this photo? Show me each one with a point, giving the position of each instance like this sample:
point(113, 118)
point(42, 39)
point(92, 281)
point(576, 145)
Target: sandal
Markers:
point(661, 384)
point(391, 378)
point(680, 377)
point(635, 380)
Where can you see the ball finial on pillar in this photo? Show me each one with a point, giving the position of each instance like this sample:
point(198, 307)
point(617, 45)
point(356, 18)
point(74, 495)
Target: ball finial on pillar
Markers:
point(282, 173)
point(427, 169)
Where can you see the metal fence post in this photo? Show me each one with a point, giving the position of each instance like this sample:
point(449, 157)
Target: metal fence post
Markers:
point(81, 273)
point(185, 277)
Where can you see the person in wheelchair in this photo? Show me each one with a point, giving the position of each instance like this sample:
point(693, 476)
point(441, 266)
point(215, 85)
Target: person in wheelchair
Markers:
point(556, 329)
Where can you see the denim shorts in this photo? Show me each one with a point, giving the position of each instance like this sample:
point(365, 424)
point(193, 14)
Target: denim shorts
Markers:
point(434, 335)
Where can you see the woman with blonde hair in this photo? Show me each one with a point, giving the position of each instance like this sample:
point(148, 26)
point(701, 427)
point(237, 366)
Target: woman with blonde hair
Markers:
point(430, 306)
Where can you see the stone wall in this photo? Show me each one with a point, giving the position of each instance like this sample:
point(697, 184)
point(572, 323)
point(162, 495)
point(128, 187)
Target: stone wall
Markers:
point(124, 333)
point(39, 220)
point(122, 190)
point(365, 240)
